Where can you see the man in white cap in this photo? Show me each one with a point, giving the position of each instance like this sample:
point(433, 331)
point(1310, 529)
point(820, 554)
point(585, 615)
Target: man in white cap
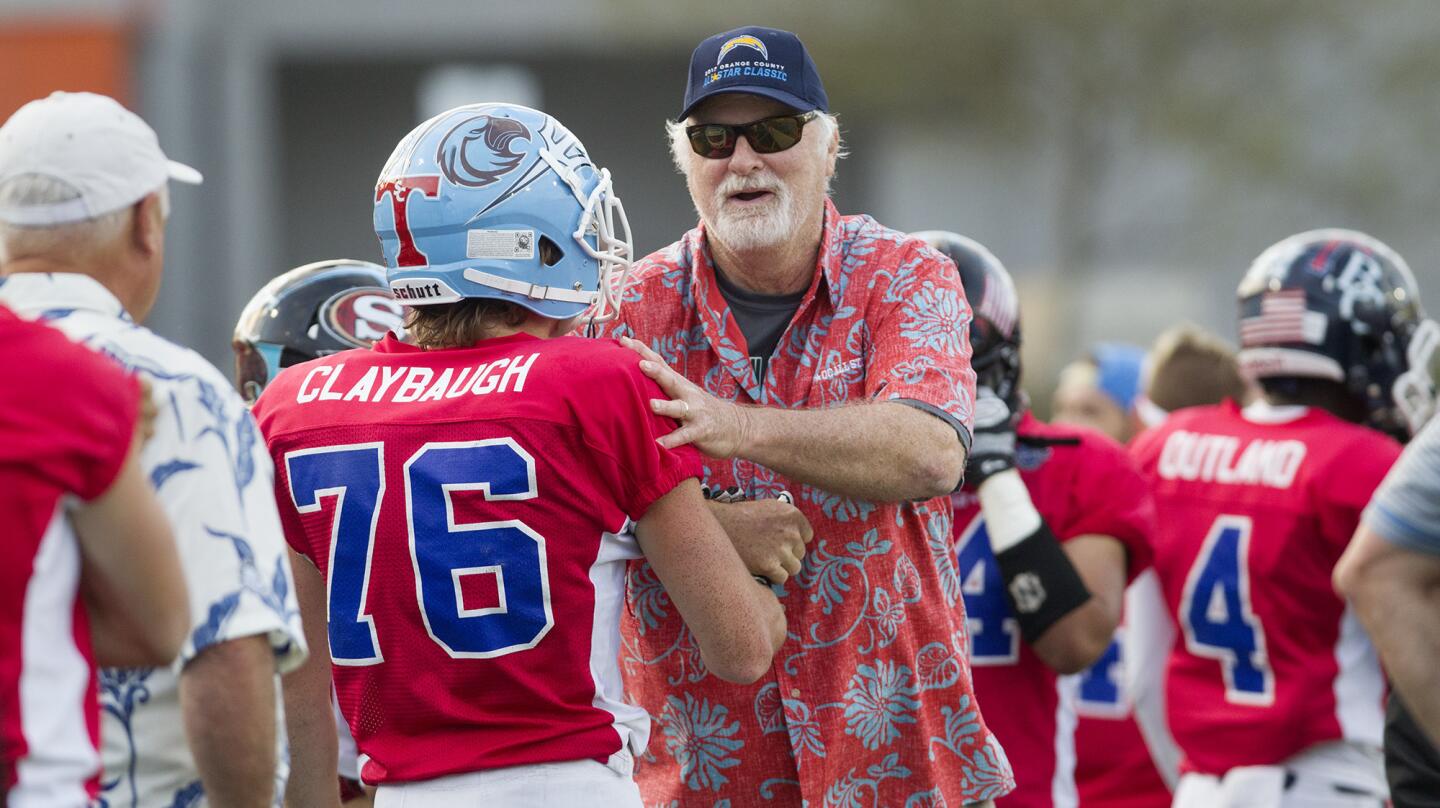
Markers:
point(83, 202)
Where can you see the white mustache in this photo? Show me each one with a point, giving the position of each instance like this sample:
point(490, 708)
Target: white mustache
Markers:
point(739, 185)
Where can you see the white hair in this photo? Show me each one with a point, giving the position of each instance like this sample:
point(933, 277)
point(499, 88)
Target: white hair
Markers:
point(681, 153)
point(68, 240)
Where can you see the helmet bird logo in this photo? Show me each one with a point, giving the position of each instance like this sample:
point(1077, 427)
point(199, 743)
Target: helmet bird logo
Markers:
point(476, 152)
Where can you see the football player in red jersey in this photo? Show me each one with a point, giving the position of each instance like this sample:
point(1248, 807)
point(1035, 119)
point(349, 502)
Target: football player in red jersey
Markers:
point(1274, 692)
point(1065, 501)
point(1122, 694)
point(466, 505)
point(89, 572)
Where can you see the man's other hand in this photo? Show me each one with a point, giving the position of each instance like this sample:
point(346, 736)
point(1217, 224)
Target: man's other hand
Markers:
point(769, 534)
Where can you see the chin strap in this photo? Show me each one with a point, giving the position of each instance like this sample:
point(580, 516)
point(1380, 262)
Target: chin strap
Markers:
point(534, 291)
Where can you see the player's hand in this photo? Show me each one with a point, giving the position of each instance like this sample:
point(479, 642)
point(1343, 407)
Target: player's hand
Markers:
point(717, 428)
point(992, 449)
point(145, 425)
point(769, 535)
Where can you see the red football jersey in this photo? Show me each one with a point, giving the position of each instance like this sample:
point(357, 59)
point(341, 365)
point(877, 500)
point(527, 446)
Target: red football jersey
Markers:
point(471, 511)
point(1254, 510)
point(1113, 766)
point(67, 416)
point(1082, 484)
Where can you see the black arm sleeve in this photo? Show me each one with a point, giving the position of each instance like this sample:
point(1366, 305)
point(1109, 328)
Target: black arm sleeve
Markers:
point(1040, 582)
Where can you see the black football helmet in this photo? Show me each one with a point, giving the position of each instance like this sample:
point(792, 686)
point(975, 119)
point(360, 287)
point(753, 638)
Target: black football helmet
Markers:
point(1342, 306)
point(995, 326)
point(311, 311)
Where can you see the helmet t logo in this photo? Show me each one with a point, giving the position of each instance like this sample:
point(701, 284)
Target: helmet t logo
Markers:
point(399, 190)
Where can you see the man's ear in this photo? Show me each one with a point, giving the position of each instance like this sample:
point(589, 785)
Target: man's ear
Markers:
point(147, 225)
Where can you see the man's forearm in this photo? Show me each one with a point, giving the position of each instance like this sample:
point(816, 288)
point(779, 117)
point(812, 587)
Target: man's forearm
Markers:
point(1398, 602)
point(887, 452)
point(1409, 643)
point(227, 696)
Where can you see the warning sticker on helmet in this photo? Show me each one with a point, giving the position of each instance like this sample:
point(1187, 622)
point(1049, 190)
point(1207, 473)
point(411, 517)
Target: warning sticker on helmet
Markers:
point(506, 245)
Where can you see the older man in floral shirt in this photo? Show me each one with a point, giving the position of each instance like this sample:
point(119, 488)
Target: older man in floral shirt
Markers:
point(826, 357)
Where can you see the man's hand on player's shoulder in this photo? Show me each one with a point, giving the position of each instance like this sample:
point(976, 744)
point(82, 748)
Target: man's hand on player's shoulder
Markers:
point(717, 428)
point(769, 534)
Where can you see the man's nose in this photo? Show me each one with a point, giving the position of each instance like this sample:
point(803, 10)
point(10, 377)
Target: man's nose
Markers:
point(745, 159)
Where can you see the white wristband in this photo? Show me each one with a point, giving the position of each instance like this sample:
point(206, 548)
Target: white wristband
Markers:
point(1010, 515)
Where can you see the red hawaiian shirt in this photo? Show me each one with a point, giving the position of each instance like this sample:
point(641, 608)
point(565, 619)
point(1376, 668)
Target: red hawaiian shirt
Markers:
point(869, 700)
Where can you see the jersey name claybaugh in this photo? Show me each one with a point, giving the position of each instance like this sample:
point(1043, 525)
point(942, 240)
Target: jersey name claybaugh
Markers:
point(406, 384)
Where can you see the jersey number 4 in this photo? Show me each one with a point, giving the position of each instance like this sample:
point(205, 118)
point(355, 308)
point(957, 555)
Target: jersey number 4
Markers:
point(1217, 618)
point(994, 633)
point(442, 552)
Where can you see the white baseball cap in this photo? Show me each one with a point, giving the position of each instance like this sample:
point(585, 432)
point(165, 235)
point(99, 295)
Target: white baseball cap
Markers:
point(91, 143)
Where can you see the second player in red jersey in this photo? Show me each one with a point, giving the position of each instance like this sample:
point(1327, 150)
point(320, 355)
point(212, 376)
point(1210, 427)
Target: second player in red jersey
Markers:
point(1082, 484)
point(1274, 692)
point(1094, 519)
point(464, 627)
point(1256, 507)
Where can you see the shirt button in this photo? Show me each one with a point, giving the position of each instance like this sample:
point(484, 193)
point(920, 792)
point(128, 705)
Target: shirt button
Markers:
point(794, 692)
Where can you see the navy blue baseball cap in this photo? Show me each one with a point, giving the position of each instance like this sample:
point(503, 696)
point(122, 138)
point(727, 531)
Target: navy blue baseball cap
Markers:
point(761, 61)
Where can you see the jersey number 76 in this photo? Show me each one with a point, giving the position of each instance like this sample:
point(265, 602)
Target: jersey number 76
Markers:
point(442, 552)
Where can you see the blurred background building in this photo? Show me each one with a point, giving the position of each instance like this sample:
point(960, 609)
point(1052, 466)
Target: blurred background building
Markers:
point(1126, 158)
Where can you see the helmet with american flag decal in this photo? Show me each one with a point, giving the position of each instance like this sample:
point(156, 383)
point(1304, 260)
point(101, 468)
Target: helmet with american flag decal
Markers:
point(1342, 306)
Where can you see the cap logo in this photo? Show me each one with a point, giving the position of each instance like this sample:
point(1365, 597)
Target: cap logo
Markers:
point(476, 152)
point(746, 68)
point(360, 316)
point(743, 41)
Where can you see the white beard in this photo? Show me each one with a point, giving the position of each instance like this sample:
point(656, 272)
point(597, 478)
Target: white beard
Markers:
point(755, 227)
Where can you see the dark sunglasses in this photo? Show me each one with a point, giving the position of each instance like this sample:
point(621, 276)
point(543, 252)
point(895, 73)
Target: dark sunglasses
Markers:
point(766, 136)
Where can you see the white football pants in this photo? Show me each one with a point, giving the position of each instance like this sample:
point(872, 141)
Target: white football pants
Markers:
point(571, 784)
point(1330, 775)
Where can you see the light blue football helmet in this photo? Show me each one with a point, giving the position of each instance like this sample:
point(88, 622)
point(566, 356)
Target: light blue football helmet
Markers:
point(467, 198)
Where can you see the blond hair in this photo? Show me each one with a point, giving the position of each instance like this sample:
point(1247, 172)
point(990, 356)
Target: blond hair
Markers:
point(462, 324)
point(1190, 366)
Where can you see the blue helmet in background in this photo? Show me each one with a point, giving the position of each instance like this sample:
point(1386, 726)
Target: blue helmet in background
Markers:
point(501, 201)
